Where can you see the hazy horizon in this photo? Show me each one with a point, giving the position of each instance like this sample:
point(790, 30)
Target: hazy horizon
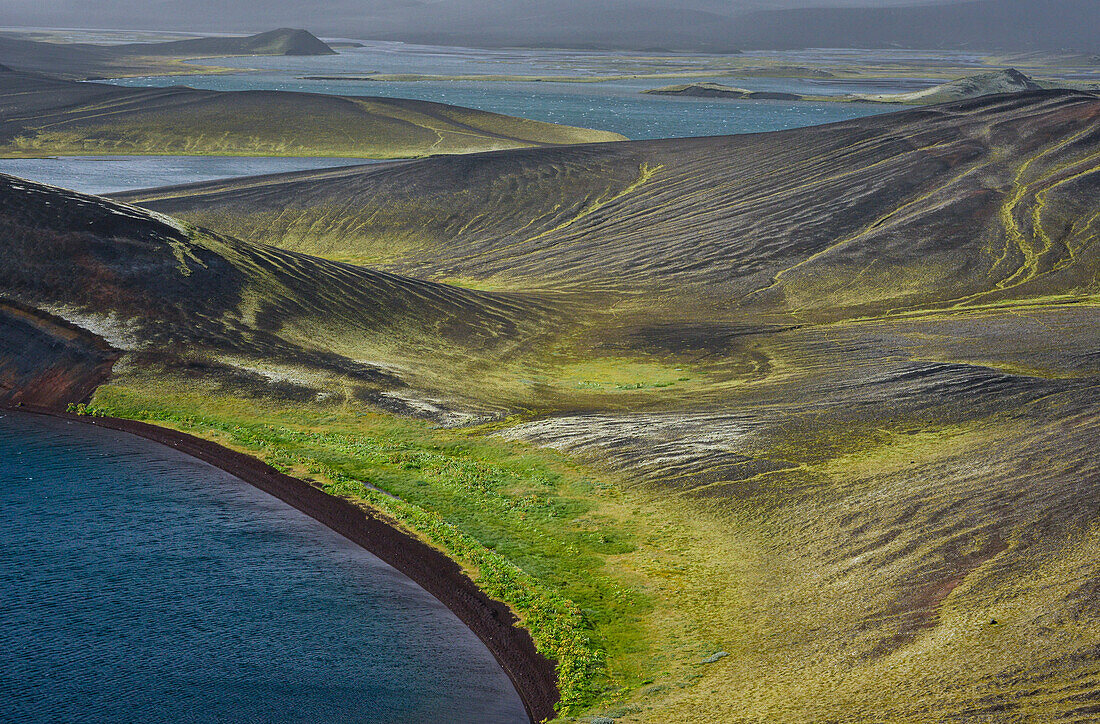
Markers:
point(181, 16)
point(716, 25)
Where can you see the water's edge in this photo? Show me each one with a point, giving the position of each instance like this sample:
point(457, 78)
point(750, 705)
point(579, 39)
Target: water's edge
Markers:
point(532, 674)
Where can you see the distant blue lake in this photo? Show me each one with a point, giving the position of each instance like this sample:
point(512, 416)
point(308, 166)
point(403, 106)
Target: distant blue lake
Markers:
point(614, 106)
point(141, 585)
point(617, 106)
point(111, 174)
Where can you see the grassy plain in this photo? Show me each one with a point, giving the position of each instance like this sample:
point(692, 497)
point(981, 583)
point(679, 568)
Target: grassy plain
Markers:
point(553, 539)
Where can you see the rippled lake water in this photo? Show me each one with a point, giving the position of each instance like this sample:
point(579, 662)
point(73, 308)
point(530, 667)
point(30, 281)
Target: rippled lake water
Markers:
point(139, 584)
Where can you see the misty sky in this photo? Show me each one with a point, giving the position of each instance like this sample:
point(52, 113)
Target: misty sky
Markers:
point(695, 25)
point(257, 15)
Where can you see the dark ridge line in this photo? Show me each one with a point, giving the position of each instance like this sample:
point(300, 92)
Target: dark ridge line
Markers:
point(263, 179)
point(533, 675)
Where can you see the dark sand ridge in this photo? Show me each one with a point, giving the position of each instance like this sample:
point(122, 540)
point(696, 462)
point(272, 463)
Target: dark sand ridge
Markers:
point(34, 337)
point(47, 361)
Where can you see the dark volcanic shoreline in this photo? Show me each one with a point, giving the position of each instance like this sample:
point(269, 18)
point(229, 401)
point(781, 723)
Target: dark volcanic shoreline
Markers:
point(531, 673)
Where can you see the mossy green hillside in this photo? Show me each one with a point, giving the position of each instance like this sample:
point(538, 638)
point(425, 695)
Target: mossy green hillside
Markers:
point(943, 206)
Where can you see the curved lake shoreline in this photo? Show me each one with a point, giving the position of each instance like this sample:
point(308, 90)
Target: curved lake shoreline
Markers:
point(492, 622)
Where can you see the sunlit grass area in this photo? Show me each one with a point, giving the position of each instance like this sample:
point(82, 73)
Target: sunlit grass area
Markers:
point(534, 529)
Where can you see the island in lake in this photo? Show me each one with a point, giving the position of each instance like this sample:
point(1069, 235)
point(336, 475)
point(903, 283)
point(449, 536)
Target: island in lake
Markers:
point(719, 90)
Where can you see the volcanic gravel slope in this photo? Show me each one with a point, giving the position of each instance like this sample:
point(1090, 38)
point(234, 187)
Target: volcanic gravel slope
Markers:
point(154, 286)
point(986, 199)
point(865, 357)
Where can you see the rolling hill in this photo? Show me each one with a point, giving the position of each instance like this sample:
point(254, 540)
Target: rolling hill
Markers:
point(88, 60)
point(986, 193)
point(41, 115)
point(829, 396)
point(150, 285)
point(995, 82)
point(284, 41)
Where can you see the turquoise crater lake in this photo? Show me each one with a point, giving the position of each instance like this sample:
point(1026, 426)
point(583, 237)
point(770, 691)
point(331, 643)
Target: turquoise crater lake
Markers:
point(139, 584)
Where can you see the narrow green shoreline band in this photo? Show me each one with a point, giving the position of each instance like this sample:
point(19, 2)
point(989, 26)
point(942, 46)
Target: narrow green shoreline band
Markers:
point(532, 674)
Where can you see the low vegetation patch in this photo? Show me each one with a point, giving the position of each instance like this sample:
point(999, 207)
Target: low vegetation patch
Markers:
point(528, 526)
